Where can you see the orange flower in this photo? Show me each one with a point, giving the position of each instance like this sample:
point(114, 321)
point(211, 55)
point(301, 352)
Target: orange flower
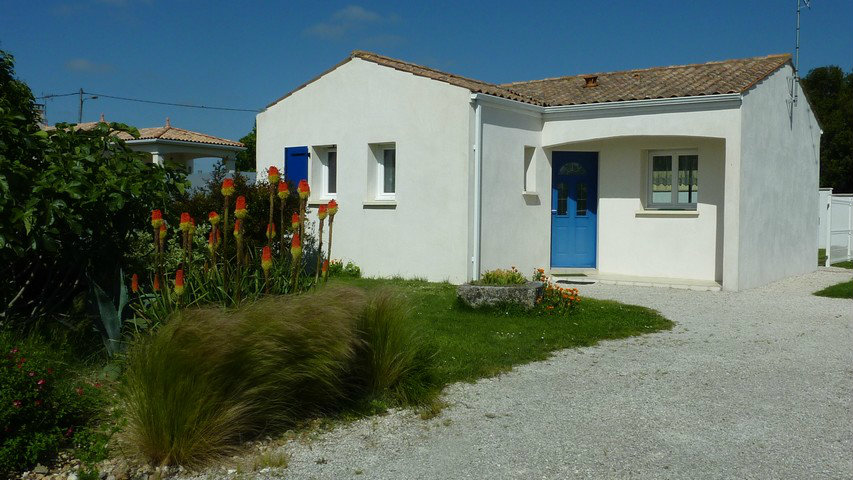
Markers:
point(238, 230)
point(240, 208)
point(332, 208)
point(325, 268)
point(322, 211)
point(156, 283)
point(213, 239)
point(270, 231)
point(294, 221)
point(213, 218)
point(272, 174)
point(156, 218)
point(163, 230)
point(134, 283)
point(179, 282)
point(303, 189)
point(282, 190)
point(185, 221)
point(266, 259)
point(228, 187)
point(295, 246)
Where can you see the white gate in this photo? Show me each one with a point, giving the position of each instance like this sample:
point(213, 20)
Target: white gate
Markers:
point(839, 228)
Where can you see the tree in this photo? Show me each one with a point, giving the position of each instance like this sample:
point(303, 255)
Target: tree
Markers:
point(830, 93)
point(69, 201)
point(246, 159)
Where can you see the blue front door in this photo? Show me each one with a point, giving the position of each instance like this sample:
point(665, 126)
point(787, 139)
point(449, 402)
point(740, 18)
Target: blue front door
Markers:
point(296, 164)
point(574, 205)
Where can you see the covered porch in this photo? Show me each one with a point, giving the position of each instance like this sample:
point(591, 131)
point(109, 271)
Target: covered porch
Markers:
point(639, 209)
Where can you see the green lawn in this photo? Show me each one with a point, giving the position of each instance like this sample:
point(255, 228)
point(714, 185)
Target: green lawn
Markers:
point(821, 260)
point(473, 344)
point(841, 290)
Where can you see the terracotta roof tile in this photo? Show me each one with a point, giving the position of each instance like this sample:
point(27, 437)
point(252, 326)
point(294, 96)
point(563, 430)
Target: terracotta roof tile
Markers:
point(712, 78)
point(179, 134)
point(475, 86)
point(166, 132)
point(728, 76)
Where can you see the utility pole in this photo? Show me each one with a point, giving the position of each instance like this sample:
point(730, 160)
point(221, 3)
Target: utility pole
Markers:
point(796, 79)
point(80, 109)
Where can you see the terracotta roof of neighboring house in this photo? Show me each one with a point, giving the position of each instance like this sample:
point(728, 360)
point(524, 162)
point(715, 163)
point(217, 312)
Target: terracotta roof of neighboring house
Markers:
point(712, 78)
point(728, 76)
point(166, 132)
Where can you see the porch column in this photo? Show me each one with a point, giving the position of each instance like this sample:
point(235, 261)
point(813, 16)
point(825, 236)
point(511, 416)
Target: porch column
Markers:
point(229, 162)
point(158, 158)
point(731, 215)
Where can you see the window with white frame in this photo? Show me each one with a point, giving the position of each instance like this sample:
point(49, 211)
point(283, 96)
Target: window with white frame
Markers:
point(673, 179)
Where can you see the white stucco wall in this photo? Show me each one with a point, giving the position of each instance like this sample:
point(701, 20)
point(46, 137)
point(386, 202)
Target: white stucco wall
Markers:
point(780, 161)
point(516, 228)
point(361, 103)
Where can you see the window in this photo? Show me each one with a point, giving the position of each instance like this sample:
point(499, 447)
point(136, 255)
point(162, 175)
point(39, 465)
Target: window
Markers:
point(673, 180)
point(382, 172)
point(330, 170)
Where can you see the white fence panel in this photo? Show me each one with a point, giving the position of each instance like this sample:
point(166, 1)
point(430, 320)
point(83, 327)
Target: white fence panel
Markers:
point(839, 228)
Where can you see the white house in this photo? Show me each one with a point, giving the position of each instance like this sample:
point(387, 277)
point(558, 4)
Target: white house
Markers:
point(698, 175)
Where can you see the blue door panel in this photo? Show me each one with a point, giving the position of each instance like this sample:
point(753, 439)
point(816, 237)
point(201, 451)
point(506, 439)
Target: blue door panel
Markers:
point(574, 208)
point(296, 164)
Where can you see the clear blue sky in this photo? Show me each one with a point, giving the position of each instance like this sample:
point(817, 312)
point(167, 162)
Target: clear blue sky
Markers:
point(246, 54)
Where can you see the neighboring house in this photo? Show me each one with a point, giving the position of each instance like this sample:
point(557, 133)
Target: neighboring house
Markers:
point(700, 175)
point(196, 152)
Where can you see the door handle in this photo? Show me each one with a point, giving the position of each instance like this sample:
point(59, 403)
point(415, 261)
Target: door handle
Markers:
point(553, 212)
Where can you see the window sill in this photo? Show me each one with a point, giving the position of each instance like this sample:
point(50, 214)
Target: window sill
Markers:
point(317, 201)
point(667, 213)
point(380, 203)
point(525, 193)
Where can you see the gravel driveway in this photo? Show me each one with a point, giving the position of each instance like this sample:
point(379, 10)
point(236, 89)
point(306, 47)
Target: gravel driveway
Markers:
point(754, 384)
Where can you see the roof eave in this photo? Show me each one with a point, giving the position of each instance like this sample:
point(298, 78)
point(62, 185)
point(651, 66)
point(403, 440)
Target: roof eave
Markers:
point(148, 141)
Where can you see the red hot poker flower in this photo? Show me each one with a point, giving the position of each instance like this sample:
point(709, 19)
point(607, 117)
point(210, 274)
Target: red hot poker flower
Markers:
point(156, 283)
point(272, 174)
point(266, 258)
point(325, 268)
point(240, 210)
point(163, 231)
point(283, 192)
point(295, 246)
point(322, 211)
point(303, 189)
point(238, 227)
point(228, 187)
point(270, 231)
point(134, 283)
point(213, 218)
point(156, 218)
point(294, 221)
point(332, 208)
point(185, 221)
point(179, 282)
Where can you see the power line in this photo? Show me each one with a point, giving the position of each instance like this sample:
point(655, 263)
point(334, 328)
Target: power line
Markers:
point(155, 102)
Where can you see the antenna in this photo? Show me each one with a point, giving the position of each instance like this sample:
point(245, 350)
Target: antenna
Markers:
point(796, 78)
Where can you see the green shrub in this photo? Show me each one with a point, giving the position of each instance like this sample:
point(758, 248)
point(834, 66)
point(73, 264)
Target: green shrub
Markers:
point(393, 357)
point(44, 405)
point(555, 300)
point(338, 269)
point(502, 277)
point(212, 377)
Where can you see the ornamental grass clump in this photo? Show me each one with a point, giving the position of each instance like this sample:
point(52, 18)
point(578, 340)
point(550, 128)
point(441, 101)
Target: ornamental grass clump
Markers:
point(212, 377)
point(394, 359)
